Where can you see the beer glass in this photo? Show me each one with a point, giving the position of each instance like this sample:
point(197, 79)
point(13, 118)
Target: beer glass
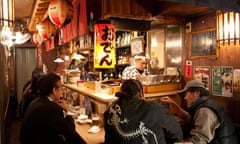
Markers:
point(95, 119)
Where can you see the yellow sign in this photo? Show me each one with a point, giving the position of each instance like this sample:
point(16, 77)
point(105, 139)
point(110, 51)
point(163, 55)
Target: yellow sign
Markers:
point(104, 46)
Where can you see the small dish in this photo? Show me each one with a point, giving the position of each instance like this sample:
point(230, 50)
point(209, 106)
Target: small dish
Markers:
point(94, 129)
point(82, 117)
point(81, 121)
point(84, 121)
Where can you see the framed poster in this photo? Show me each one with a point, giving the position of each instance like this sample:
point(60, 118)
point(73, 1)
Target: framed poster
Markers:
point(222, 81)
point(137, 46)
point(236, 79)
point(203, 74)
point(203, 44)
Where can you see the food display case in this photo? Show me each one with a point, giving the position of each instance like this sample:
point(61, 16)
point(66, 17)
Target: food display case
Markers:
point(160, 83)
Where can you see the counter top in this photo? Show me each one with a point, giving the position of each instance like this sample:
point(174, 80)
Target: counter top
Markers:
point(100, 96)
point(159, 94)
point(90, 138)
point(106, 98)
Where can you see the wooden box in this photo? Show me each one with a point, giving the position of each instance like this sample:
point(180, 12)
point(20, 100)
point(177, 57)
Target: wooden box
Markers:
point(161, 88)
point(110, 89)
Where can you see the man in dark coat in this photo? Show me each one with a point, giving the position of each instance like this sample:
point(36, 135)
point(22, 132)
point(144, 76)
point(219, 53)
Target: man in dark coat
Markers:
point(44, 121)
point(132, 120)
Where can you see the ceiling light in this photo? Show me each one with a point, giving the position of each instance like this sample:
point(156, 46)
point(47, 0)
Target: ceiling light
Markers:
point(66, 58)
point(228, 27)
point(9, 32)
point(58, 60)
point(6, 21)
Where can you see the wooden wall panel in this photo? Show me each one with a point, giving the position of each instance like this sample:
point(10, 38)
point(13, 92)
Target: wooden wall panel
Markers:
point(228, 56)
point(125, 8)
point(94, 6)
point(141, 8)
point(48, 58)
point(119, 7)
point(4, 95)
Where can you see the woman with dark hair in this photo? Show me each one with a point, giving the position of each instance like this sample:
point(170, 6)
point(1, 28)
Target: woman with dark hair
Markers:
point(29, 96)
point(131, 119)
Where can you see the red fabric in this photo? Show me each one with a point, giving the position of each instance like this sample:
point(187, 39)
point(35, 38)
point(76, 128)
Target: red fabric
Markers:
point(82, 23)
point(78, 25)
point(49, 44)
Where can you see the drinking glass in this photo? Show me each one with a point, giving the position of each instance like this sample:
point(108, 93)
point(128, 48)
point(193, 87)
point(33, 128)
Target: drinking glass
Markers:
point(98, 86)
point(95, 119)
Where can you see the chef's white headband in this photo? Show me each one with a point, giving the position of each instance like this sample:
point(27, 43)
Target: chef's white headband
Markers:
point(140, 57)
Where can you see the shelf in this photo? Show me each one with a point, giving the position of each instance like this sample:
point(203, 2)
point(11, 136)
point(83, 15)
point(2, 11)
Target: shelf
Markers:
point(126, 64)
point(86, 49)
point(124, 46)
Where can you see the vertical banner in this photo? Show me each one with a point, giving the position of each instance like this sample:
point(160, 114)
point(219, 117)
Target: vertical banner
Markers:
point(104, 45)
point(188, 69)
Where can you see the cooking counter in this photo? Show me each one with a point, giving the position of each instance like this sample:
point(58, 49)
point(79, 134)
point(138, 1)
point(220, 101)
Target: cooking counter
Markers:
point(99, 96)
point(106, 95)
point(104, 98)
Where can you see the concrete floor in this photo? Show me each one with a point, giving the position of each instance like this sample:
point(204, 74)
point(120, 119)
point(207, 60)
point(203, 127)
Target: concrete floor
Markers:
point(14, 132)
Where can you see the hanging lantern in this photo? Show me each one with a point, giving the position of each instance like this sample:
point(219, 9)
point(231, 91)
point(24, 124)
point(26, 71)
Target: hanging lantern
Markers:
point(37, 39)
point(60, 12)
point(104, 48)
point(46, 29)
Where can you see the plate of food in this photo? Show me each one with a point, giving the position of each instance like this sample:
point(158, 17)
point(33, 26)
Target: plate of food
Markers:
point(82, 119)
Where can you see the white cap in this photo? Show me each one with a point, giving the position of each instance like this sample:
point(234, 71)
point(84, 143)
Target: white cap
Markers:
point(140, 57)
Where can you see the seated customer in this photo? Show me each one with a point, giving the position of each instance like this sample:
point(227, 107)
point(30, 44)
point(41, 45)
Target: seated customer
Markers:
point(30, 95)
point(44, 121)
point(132, 120)
point(209, 122)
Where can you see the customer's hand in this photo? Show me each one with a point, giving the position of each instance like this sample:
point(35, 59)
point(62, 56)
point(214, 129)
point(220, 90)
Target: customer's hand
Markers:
point(167, 99)
point(184, 116)
point(63, 103)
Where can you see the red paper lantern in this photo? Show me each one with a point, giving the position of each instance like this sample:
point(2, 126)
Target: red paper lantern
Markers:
point(60, 12)
point(46, 29)
point(37, 39)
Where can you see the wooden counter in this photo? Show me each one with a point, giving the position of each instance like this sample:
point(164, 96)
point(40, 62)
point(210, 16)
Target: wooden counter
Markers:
point(99, 96)
point(160, 94)
point(105, 98)
point(90, 138)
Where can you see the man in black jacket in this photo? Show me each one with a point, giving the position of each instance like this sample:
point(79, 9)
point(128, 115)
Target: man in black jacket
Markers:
point(45, 121)
point(132, 120)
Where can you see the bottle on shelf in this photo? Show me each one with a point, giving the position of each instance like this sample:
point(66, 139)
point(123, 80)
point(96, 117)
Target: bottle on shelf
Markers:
point(118, 42)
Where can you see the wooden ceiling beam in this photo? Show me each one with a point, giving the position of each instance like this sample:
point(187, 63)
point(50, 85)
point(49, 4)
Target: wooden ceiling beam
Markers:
point(38, 13)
